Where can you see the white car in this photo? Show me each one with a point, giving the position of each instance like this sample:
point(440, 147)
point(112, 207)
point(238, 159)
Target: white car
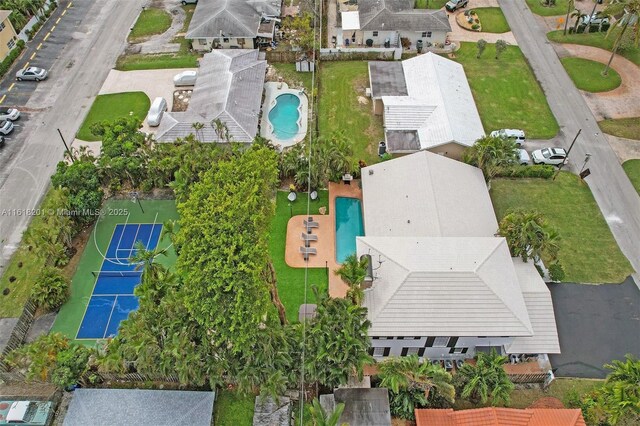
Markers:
point(154, 116)
point(11, 114)
point(550, 156)
point(185, 78)
point(523, 157)
point(6, 127)
point(32, 73)
point(515, 135)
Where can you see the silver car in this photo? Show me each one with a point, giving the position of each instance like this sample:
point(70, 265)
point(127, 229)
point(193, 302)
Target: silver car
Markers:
point(185, 78)
point(9, 114)
point(6, 127)
point(31, 73)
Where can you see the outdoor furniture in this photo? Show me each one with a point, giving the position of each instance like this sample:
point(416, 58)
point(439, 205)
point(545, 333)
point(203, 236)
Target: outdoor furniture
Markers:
point(306, 251)
point(292, 196)
point(347, 178)
point(308, 237)
point(311, 223)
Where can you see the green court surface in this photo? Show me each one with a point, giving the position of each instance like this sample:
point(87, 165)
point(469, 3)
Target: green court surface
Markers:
point(114, 212)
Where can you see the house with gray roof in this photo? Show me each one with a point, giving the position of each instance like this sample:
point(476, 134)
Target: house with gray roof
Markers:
point(426, 104)
point(441, 284)
point(107, 407)
point(380, 22)
point(233, 24)
point(228, 88)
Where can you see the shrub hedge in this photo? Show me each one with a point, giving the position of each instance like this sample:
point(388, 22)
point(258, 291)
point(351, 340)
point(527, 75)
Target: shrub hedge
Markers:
point(12, 56)
point(535, 171)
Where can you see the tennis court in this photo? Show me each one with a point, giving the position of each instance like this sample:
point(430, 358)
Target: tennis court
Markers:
point(112, 298)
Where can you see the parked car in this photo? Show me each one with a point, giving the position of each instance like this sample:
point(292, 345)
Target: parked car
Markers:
point(551, 156)
point(515, 135)
point(596, 19)
point(186, 2)
point(185, 78)
point(9, 114)
point(523, 157)
point(6, 127)
point(31, 73)
point(158, 107)
point(453, 5)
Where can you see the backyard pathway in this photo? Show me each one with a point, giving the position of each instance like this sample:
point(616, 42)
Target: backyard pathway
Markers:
point(618, 103)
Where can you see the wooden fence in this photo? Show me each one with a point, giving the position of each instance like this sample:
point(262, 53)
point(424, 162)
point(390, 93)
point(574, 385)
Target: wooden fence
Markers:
point(18, 334)
point(528, 378)
point(129, 377)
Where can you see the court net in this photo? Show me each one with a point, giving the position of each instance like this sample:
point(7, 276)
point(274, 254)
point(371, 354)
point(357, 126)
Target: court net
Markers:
point(116, 273)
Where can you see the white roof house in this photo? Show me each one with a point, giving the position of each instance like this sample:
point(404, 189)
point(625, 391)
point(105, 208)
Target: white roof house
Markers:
point(437, 267)
point(228, 88)
point(427, 103)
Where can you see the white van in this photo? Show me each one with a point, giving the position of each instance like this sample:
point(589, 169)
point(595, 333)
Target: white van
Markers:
point(158, 107)
point(515, 135)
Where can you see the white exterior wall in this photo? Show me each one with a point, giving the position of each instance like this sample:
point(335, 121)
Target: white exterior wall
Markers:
point(380, 38)
point(413, 36)
point(206, 44)
point(396, 346)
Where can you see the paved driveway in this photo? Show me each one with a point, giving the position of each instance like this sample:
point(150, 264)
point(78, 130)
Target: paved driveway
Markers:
point(596, 324)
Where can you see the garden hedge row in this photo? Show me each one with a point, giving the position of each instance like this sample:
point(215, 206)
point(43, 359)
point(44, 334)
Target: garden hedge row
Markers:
point(535, 171)
point(8, 61)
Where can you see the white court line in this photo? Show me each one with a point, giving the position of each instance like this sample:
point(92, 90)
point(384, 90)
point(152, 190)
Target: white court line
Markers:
point(115, 302)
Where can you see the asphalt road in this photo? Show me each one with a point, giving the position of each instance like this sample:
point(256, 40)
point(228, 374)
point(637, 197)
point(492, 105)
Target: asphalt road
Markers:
point(92, 42)
point(611, 188)
point(596, 324)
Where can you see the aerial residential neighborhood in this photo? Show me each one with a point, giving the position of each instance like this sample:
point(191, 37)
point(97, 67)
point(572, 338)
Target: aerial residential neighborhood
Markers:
point(320, 212)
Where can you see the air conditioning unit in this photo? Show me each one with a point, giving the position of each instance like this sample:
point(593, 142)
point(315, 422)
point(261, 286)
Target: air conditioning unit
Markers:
point(367, 91)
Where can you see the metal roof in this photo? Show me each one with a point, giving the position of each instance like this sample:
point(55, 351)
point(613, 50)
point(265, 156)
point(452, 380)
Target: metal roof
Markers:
point(387, 79)
point(230, 18)
point(362, 407)
point(106, 407)
point(229, 88)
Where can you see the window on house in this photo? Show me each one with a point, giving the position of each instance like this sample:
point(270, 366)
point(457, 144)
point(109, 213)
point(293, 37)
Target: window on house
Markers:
point(424, 34)
point(202, 41)
point(459, 350)
point(375, 34)
point(225, 40)
point(1, 26)
point(428, 34)
point(11, 44)
point(440, 342)
point(379, 351)
point(412, 351)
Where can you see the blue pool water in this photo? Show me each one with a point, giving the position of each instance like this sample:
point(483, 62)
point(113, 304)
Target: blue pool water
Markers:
point(284, 116)
point(348, 226)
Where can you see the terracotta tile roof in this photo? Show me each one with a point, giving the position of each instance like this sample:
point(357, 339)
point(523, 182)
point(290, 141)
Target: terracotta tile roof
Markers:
point(500, 417)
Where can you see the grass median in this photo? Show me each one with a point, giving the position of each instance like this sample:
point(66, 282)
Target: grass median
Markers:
point(538, 7)
point(587, 75)
point(628, 128)
point(632, 169)
point(588, 251)
point(492, 20)
point(599, 40)
point(112, 106)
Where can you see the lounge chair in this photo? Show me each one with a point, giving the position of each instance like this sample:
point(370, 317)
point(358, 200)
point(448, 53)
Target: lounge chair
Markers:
point(311, 224)
point(306, 251)
point(308, 237)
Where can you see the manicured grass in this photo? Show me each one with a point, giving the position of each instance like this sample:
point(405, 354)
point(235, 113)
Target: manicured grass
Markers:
point(291, 280)
point(150, 22)
point(112, 106)
point(341, 83)
point(492, 20)
point(587, 75)
point(506, 92)
point(596, 40)
point(157, 61)
point(588, 251)
point(20, 288)
point(116, 211)
point(292, 77)
point(560, 8)
point(233, 409)
point(632, 169)
point(622, 127)
point(188, 11)
point(430, 4)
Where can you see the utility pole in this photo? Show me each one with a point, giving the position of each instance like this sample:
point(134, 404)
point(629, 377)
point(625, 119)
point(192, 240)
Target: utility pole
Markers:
point(66, 146)
point(567, 157)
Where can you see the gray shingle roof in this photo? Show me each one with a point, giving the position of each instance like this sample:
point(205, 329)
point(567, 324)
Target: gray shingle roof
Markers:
point(230, 18)
point(387, 79)
point(229, 88)
point(402, 141)
point(362, 407)
point(378, 15)
point(107, 407)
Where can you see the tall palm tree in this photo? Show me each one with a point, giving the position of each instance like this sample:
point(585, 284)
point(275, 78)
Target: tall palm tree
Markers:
point(353, 273)
point(630, 10)
point(490, 154)
point(570, 7)
point(486, 379)
point(221, 129)
point(197, 126)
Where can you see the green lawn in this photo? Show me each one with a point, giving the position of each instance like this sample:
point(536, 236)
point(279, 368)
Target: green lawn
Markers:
point(632, 169)
point(492, 20)
point(112, 106)
point(341, 83)
point(70, 316)
point(188, 11)
point(157, 61)
point(506, 92)
point(537, 7)
point(233, 409)
point(292, 77)
point(291, 280)
point(588, 251)
point(596, 40)
point(430, 4)
point(622, 127)
point(587, 75)
point(150, 22)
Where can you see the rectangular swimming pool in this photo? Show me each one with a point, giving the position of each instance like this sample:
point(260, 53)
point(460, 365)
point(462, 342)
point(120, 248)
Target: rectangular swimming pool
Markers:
point(348, 226)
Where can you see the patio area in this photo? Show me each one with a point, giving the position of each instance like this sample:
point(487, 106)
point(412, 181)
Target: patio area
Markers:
point(325, 246)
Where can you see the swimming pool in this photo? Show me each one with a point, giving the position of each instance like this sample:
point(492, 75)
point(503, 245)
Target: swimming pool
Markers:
point(348, 226)
point(284, 116)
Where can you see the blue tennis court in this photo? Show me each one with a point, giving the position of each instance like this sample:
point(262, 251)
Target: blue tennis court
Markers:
point(112, 299)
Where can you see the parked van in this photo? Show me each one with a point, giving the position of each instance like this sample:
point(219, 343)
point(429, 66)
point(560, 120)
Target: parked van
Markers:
point(515, 135)
point(158, 107)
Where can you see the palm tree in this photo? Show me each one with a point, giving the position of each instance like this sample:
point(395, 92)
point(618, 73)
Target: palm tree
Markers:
point(412, 382)
point(320, 417)
point(197, 126)
point(630, 10)
point(486, 379)
point(490, 154)
point(620, 395)
point(571, 6)
point(593, 11)
point(353, 273)
point(529, 235)
point(221, 129)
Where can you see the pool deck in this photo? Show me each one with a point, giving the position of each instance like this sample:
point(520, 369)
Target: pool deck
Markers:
point(326, 244)
point(271, 91)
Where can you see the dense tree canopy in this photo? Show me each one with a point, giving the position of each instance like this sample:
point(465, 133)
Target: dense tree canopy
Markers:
point(82, 181)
